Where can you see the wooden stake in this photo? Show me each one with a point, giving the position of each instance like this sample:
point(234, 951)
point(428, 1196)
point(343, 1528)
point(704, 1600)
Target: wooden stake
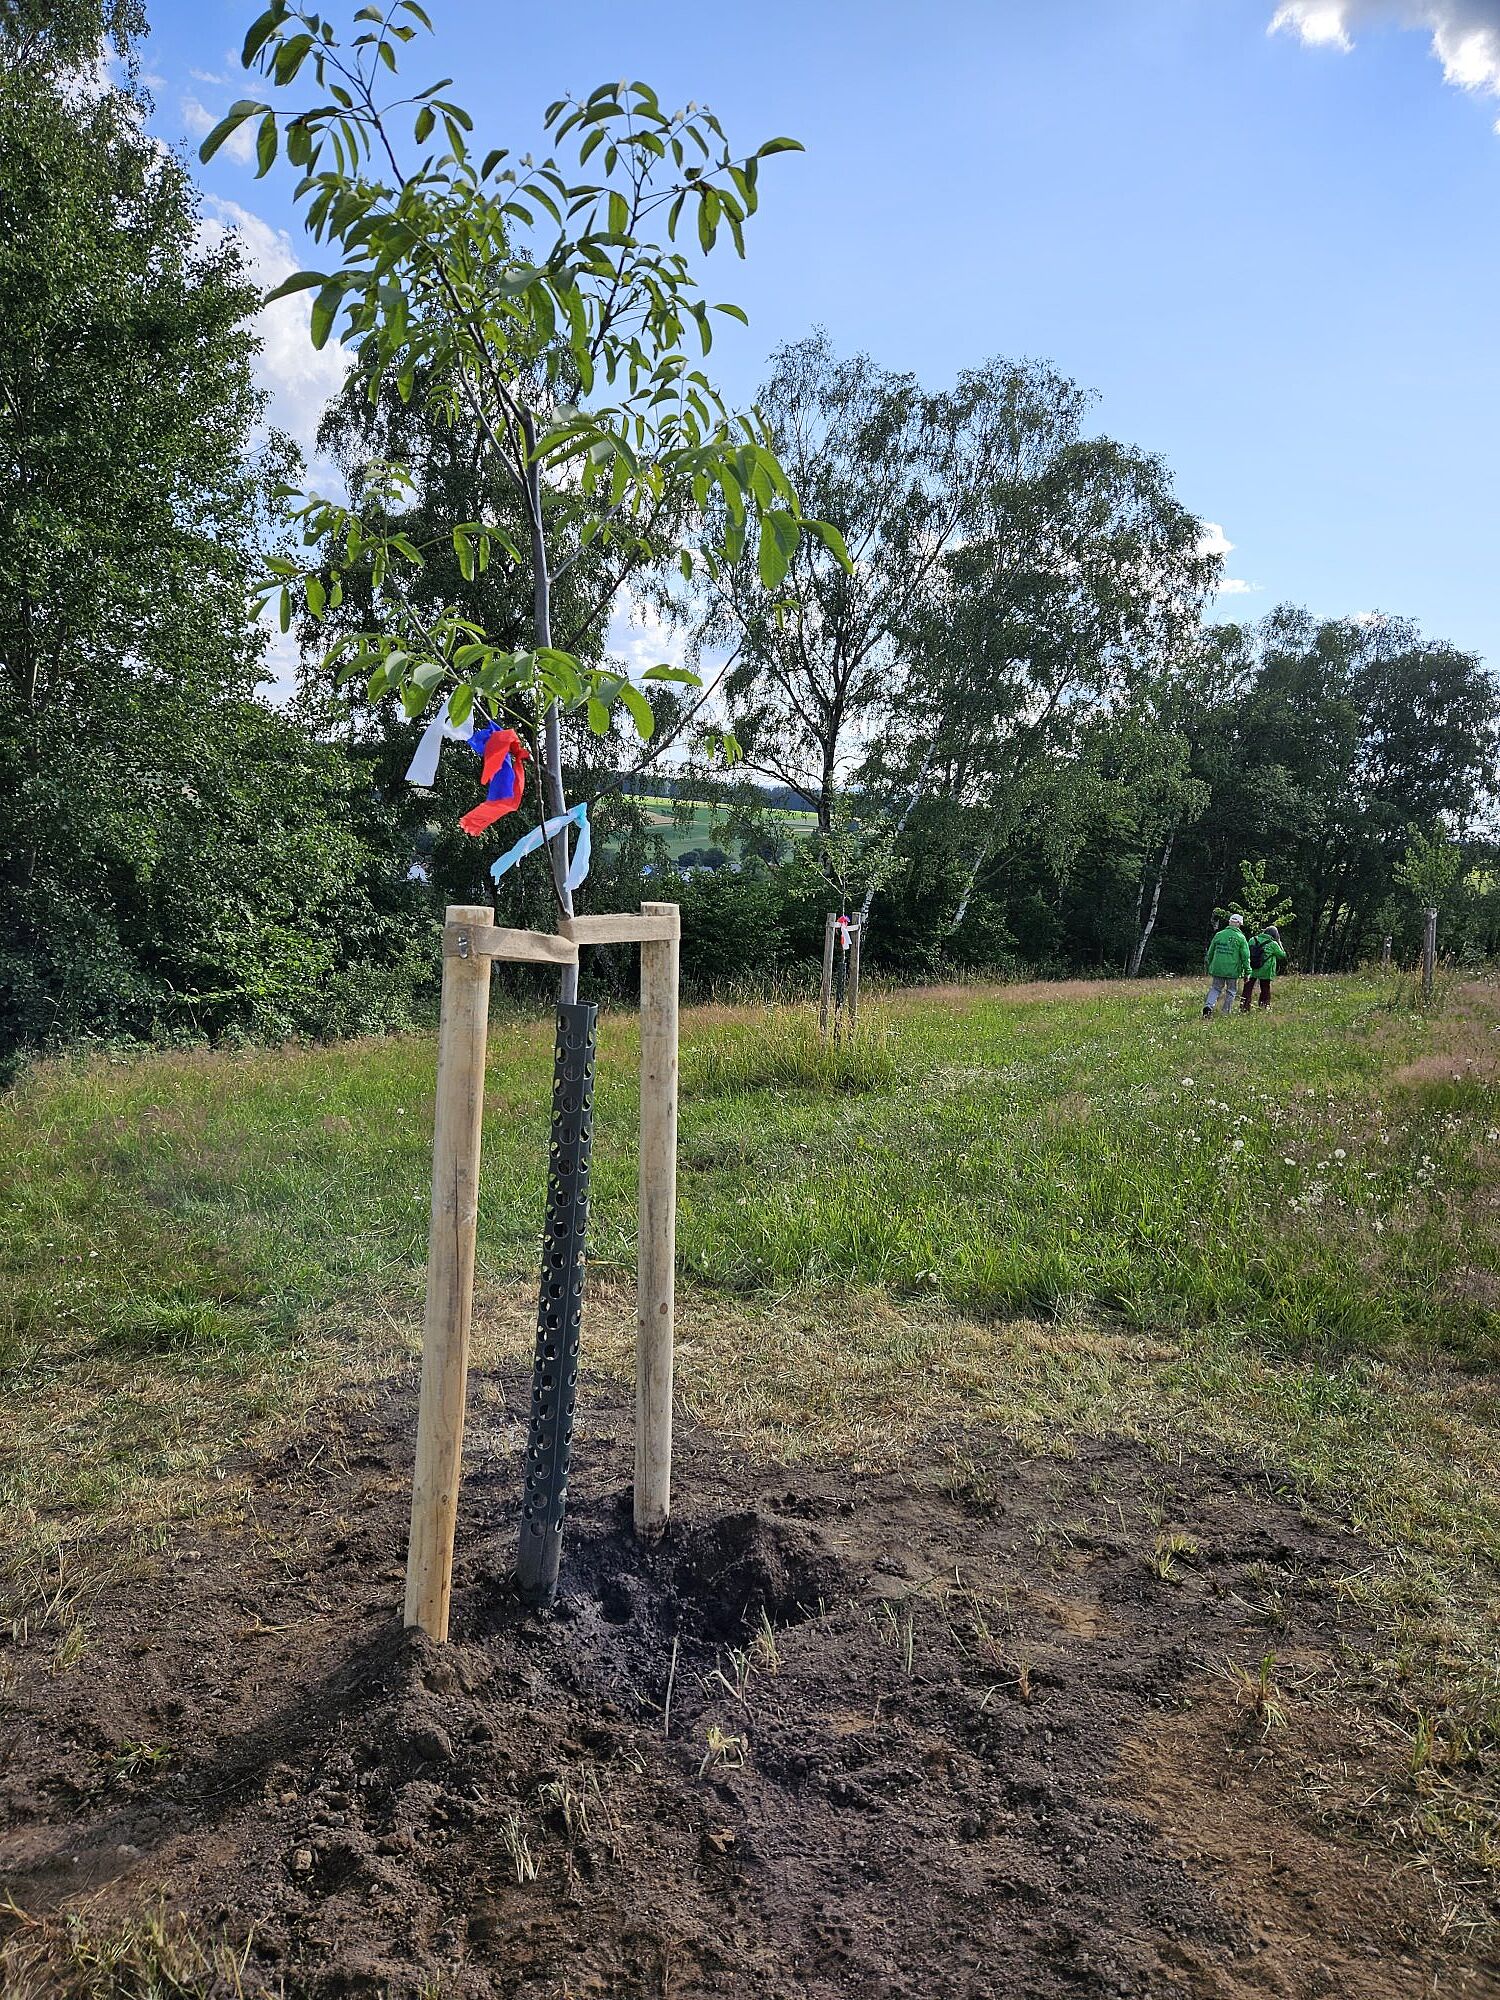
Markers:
point(856, 933)
point(657, 1254)
point(1385, 953)
point(463, 1027)
point(1429, 951)
point(825, 1001)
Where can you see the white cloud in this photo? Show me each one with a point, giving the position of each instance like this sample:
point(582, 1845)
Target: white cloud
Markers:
point(1319, 22)
point(240, 145)
point(642, 638)
point(1465, 33)
point(206, 76)
point(301, 378)
point(1214, 542)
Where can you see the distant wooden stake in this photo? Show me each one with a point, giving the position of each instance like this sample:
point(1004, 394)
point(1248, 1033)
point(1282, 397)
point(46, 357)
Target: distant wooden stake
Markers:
point(1429, 951)
point(856, 936)
point(657, 1254)
point(1385, 953)
point(825, 1001)
point(462, 1033)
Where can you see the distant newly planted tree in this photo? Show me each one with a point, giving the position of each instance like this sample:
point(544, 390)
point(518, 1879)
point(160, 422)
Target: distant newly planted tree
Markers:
point(1429, 867)
point(546, 306)
point(1429, 871)
point(1260, 902)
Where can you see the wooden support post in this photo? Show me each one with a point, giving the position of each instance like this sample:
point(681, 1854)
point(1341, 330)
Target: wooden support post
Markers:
point(825, 1001)
point(856, 935)
point(463, 1028)
point(657, 1253)
point(1385, 955)
point(1429, 951)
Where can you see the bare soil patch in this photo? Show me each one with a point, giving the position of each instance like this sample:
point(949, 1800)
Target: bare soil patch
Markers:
point(928, 1736)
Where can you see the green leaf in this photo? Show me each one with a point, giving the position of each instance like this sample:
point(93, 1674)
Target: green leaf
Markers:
point(598, 716)
point(316, 596)
point(831, 539)
point(779, 534)
point(265, 145)
point(429, 676)
point(779, 146)
point(684, 676)
point(640, 710)
point(461, 704)
point(299, 281)
point(463, 548)
point(229, 124)
point(325, 307)
point(426, 119)
point(619, 213)
point(261, 31)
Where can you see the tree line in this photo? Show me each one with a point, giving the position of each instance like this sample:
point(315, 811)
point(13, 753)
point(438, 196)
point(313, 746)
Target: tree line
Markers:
point(992, 678)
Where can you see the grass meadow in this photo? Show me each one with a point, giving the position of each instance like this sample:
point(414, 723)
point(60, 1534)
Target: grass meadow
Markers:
point(1061, 1209)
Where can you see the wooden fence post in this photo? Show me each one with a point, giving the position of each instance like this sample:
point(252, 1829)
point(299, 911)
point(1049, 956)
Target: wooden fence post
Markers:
point(1385, 955)
point(856, 936)
point(825, 998)
point(1429, 951)
point(657, 1253)
point(463, 1028)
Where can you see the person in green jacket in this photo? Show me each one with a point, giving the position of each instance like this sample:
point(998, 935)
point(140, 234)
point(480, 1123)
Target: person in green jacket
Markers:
point(1227, 962)
point(1267, 956)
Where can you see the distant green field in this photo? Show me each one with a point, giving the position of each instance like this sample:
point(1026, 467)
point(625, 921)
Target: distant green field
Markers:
point(682, 836)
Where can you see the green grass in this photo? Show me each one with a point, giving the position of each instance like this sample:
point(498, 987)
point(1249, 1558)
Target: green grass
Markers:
point(1064, 1209)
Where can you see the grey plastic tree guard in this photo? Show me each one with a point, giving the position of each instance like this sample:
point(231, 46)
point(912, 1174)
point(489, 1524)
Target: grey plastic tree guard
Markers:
point(554, 1381)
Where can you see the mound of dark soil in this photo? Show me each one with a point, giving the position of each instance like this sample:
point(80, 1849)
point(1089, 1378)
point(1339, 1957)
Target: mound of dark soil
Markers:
point(835, 1736)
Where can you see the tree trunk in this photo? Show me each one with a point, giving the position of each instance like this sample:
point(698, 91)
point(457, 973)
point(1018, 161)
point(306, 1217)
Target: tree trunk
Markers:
point(555, 801)
point(1150, 924)
point(968, 894)
point(906, 811)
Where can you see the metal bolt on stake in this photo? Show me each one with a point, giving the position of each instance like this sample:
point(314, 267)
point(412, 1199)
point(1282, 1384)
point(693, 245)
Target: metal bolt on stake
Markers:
point(554, 1381)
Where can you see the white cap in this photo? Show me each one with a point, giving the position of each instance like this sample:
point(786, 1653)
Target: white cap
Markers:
point(1236, 923)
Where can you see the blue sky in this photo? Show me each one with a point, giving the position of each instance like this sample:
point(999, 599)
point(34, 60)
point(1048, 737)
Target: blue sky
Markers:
point(1274, 256)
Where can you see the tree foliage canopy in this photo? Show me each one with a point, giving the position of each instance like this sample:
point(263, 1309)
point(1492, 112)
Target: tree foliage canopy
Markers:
point(178, 857)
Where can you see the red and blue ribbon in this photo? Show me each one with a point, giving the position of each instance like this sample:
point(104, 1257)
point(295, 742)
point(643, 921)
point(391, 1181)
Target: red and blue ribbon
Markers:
point(502, 771)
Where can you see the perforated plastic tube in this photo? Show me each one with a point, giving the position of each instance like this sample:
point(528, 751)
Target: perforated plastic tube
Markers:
point(559, 1317)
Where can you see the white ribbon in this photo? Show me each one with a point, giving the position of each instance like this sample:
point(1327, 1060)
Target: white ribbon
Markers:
point(422, 770)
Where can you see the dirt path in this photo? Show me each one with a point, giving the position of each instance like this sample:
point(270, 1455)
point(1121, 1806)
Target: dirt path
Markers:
point(929, 1736)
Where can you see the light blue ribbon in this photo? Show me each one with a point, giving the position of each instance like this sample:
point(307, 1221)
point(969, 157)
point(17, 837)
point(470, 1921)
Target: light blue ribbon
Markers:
point(539, 835)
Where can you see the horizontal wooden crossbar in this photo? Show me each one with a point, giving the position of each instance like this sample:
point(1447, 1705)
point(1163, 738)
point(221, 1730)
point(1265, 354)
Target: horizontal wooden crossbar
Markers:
point(495, 941)
point(657, 926)
point(623, 927)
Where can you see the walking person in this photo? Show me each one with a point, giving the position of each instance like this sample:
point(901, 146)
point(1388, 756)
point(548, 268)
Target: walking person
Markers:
point(1227, 962)
point(1267, 956)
